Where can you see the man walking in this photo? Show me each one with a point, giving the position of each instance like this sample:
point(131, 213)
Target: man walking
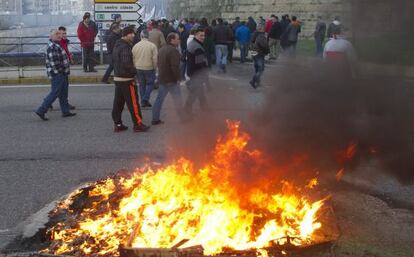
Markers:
point(58, 69)
point(125, 87)
point(290, 35)
point(114, 35)
point(145, 56)
point(319, 35)
point(261, 49)
point(222, 36)
point(243, 36)
point(87, 32)
point(169, 74)
point(197, 70)
point(156, 36)
point(274, 38)
point(64, 43)
point(183, 50)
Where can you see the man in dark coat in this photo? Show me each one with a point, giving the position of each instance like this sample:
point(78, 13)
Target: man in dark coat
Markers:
point(197, 70)
point(261, 49)
point(291, 36)
point(169, 75)
point(222, 37)
point(274, 37)
point(183, 50)
point(319, 35)
point(251, 24)
point(114, 35)
point(125, 86)
point(284, 24)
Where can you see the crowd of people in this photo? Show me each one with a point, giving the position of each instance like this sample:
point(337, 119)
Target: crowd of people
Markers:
point(167, 53)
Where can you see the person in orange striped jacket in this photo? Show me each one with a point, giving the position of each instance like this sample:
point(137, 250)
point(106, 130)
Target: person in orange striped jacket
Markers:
point(125, 86)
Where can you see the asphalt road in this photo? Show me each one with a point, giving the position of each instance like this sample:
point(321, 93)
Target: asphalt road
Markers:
point(43, 161)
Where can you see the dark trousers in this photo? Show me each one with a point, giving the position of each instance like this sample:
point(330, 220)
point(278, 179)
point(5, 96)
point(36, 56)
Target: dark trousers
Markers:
point(59, 90)
point(126, 92)
point(88, 58)
point(230, 48)
point(319, 46)
point(196, 88)
point(292, 49)
point(109, 70)
point(243, 51)
point(259, 66)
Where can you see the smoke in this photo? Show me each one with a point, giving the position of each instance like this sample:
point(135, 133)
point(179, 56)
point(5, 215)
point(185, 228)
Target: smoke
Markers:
point(320, 117)
point(314, 119)
point(323, 118)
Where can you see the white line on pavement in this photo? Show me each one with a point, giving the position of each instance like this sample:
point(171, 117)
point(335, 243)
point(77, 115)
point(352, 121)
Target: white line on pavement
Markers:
point(47, 86)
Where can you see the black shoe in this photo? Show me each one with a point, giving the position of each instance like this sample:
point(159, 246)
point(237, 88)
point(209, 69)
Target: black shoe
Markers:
point(92, 70)
point(71, 107)
point(253, 84)
point(42, 116)
point(146, 104)
point(157, 122)
point(141, 128)
point(105, 81)
point(120, 127)
point(69, 114)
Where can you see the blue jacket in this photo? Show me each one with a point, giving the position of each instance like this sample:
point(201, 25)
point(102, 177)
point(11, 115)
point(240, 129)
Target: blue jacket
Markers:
point(243, 34)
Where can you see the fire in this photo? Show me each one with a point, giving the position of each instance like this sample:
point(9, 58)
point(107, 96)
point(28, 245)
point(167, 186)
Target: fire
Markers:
point(340, 174)
point(208, 206)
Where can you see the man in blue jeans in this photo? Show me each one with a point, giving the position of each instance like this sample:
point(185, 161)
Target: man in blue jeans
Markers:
point(222, 36)
point(145, 54)
point(58, 70)
point(243, 36)
point(169, 75)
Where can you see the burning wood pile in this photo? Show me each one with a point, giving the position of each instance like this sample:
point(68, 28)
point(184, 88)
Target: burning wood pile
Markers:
point(228, 207)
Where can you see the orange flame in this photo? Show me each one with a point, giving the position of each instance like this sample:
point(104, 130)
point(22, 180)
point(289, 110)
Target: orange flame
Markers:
point(340, 174)
point(349, 153)
point(159, 208)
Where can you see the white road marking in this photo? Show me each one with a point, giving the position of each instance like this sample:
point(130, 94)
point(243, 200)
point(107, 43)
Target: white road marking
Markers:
point(227, 78)
point(48, 86)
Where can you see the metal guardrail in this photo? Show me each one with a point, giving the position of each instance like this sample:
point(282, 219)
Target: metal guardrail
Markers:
point(15, 49)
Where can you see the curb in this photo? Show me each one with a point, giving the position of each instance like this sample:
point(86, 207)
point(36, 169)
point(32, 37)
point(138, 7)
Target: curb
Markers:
point(45, 80)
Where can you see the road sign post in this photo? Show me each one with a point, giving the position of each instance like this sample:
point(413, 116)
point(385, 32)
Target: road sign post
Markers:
point(105, 11)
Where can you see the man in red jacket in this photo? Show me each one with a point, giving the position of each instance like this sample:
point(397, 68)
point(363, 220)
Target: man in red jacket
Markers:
point(87, 32)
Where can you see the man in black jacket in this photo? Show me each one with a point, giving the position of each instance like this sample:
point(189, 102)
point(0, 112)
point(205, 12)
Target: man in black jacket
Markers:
point(183, 50)
point(114, 35)
point(261, 49)
point(197, 70)
point(125, 86)
point(222, 37)
point(274, 37)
